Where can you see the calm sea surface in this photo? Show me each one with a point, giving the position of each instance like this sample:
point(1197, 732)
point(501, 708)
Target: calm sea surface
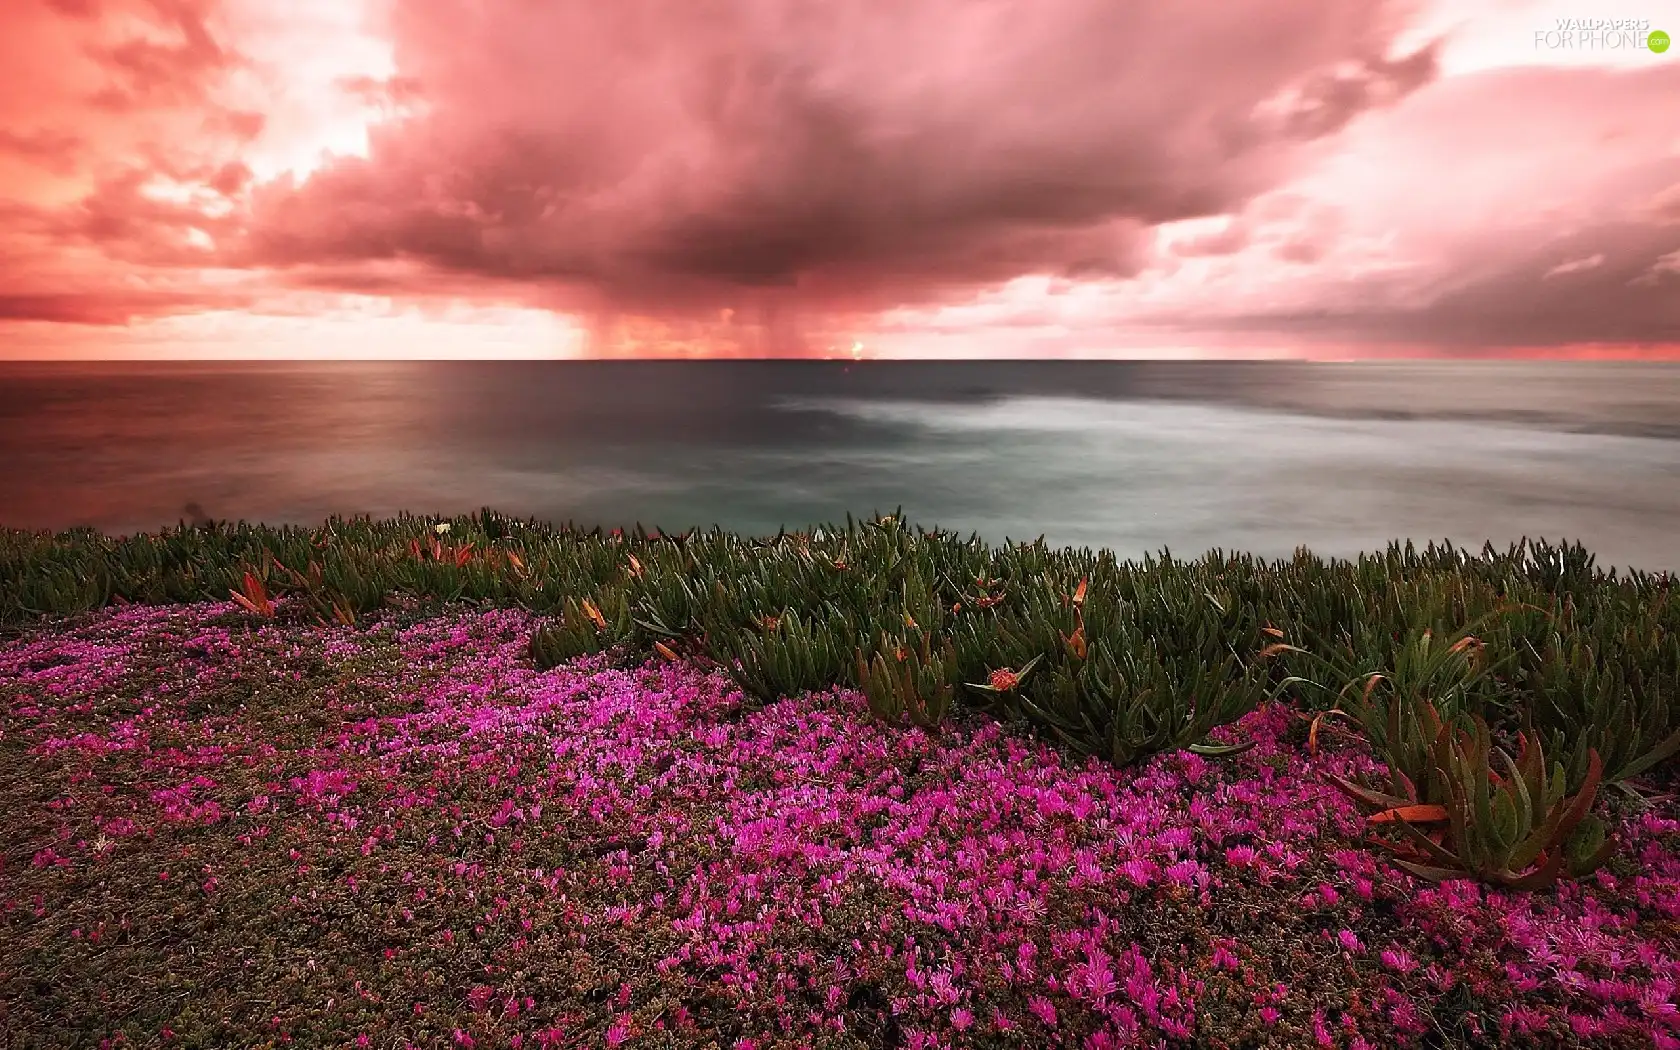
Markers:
point(1262, 457)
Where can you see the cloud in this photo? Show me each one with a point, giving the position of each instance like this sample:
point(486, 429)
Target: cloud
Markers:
point(83, 9)
point(1234, 236)
point(147, 71)
point(54, 150)
point(101, 308)
point(1079, 172)
point(1511, 208)
point(661, 158)
point(1580, 265)
point(1663, 267)
point(1664, 207)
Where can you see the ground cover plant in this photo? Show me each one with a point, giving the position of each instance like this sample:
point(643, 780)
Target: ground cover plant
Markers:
point(502, 784)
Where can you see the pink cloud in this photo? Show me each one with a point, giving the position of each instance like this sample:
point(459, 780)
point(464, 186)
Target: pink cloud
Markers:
point(826, 170)
point(662, 159)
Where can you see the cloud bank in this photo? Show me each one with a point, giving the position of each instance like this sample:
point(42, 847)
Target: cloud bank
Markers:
point(728, 176)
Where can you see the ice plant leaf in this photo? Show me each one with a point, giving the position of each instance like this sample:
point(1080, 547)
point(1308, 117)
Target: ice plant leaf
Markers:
point(1588, 848)
point(1374, 799)
point(594, 614)
point(1433, 873)
point(1420, 814)
point(1222, 750)
point(1076, 643)
point(255, 598)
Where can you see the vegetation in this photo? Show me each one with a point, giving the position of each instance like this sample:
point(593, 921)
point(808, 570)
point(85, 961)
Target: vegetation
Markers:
point(495, 783)
point(1533, 648)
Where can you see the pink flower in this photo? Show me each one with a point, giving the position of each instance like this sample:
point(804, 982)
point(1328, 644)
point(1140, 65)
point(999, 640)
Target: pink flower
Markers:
point(1321, 1032)
point(1043, 1009)
point(962, 1018)
point(1185, 873)
point(1140, 872)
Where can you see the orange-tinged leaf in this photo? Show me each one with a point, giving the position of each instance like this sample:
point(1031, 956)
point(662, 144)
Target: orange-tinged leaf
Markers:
point(1374, 799)
point(1411, 814)
point(414, 546)
point(1312, 731)
point(1273, 631)
point(594, 615)
point(463, 555)
point(1079, 592)
point(1371, 684)
point(1076, 642)
point(666, 651)
point(1274, 649)
point(910, 622)
point(255, 597)
point(635, 566)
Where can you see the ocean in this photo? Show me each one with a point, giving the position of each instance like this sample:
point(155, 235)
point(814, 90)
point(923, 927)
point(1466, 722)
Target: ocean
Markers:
point(1139, 457)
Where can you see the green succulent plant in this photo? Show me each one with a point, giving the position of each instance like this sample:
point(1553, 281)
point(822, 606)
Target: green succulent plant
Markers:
point(1503, 820)
point(908, 681)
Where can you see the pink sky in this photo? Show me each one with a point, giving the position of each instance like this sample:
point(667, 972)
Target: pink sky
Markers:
point(932, 178)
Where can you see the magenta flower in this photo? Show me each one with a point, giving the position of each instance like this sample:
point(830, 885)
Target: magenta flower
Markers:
point(620, 1031)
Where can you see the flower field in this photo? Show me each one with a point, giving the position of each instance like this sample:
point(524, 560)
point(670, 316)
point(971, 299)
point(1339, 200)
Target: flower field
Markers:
point(230, 829)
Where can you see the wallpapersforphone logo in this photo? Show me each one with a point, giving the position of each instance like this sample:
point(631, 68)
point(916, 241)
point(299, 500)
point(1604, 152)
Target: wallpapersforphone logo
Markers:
point(1602, 34)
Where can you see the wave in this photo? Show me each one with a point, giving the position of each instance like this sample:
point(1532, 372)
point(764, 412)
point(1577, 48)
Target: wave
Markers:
point(1065, 412)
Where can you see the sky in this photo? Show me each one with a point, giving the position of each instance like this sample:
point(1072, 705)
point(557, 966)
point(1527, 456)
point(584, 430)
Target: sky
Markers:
point(855, 178)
